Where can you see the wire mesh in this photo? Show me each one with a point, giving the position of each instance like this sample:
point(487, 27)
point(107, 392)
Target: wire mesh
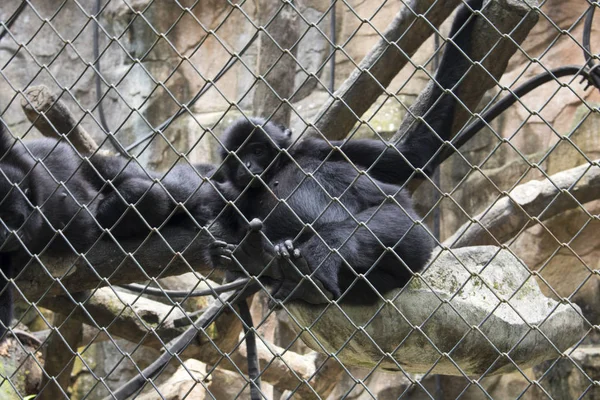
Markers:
point(134, 236)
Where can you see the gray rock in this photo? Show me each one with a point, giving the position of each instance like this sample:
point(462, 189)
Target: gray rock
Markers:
point(573, 376)
point(474, 310)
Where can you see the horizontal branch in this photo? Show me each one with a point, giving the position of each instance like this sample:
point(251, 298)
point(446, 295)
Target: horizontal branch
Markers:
point(530, 203)
point(464, 300)
point(168, 252)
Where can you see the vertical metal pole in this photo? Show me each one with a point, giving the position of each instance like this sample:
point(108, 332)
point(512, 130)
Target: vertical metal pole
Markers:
point(437, 215)
point(436, 176)
point(333, 45)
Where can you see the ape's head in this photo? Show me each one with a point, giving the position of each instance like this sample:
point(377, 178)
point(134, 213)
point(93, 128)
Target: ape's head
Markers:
point(256, 144)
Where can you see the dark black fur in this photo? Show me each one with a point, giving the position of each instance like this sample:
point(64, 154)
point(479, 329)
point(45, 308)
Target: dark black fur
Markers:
point(34, 206)
point(308, 200)
point(156, 197)
point(42, 190)
point(309, 223)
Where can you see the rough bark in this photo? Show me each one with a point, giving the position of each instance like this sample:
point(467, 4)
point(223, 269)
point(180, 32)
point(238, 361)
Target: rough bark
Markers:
point(61, 351)
point(53, 119)
point(529, 204)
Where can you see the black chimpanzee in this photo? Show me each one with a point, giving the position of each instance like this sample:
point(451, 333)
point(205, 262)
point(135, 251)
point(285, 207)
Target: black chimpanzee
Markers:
point(45, 200)
point(51, 197)
point(311, 207)
point(322, 214)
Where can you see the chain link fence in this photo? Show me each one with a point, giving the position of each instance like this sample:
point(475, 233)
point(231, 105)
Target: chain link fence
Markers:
point(275, 199)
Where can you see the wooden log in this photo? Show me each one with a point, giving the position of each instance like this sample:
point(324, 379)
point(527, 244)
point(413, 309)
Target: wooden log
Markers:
point(527, 205)
point(61, 352)
point(53, 119)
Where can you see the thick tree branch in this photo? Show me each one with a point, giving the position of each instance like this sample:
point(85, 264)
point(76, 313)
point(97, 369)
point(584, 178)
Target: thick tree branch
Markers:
point(464, 300)
point(400, 41)
point(528, 204)
point(53, 118)
point(170, 251)
point(278, 68)
point(513, 18)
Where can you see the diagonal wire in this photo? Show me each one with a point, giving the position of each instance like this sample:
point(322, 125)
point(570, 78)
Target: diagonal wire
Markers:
point(11, 20)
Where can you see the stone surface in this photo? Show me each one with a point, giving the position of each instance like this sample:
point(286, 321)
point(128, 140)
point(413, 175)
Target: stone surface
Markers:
point(574, 376)
point(21, 363)
point(478, 308)
point(106, 359)
point(189, 380)
point(195, 380)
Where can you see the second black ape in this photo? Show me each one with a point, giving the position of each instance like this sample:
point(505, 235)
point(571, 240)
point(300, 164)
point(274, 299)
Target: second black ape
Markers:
point(309, 207)
point(45, 201)
point(52, 199)
point(318, 211)
point(137, 200)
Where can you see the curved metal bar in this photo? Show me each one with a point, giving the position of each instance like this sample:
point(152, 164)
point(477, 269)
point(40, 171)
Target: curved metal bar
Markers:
point(587, 32)
point(144, 289)
point(592, 76)
point(177, 345)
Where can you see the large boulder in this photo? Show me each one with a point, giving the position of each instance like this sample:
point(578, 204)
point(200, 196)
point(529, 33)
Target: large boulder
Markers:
point(474, 310)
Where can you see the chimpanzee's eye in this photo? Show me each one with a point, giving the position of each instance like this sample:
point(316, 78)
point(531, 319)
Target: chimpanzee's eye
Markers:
point(258, 150)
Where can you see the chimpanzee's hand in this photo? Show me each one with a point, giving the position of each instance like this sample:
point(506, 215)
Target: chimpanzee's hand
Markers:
point(294, 282)
point(249, 256)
